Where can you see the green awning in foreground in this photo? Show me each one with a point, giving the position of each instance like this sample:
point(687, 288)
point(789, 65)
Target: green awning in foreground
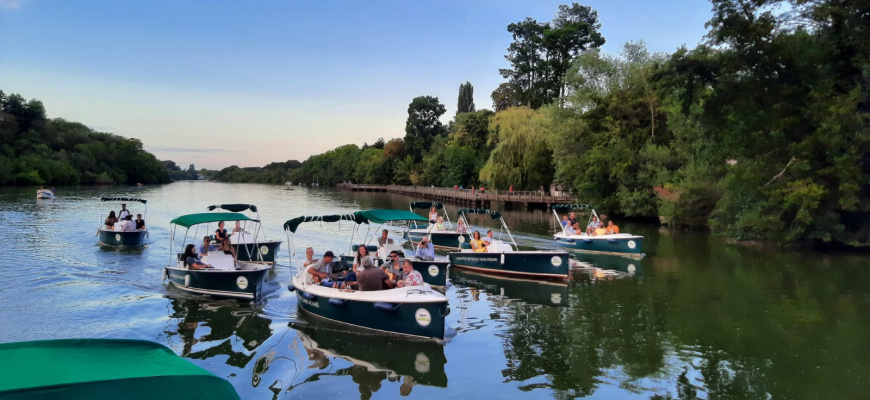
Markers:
point(92, 369)
point(381, 216)
point(492, 214)
point(203, 218)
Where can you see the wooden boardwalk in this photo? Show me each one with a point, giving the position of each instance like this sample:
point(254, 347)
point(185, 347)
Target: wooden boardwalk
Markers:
point(528, 199)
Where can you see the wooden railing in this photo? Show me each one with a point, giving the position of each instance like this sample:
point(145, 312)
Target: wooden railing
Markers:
point(467, 195)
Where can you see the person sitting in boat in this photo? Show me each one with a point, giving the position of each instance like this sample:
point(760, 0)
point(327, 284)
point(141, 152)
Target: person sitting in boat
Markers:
point(489, 237)
point(393, 266)
point(592, 226)
point(360, 260)
point(460, 227)
point(191, 259)
point(569, 230)
point(318, 270)
point(238, 228)
point(412, 276)
point(573, 221)
point(439, 226)
point(612, 229)
point(220, 234)
point(121, 226)
point(309, 257)
point(140, 223)
point(479, 246)
point(111, 220)
point(565, 222)
point(124, 212)
point(206, 246)
point(383, 240)
point(130, 226)
point(370, 278)
point(227, 248)
point(433, 215)
point(425, 251)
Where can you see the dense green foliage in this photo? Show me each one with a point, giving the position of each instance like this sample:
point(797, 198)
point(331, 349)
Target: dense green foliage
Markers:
point(276, 172)
point(762, 132)
point(465, 104)
point(35, 150)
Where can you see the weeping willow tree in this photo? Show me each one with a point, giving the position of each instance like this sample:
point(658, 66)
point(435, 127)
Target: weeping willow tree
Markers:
point(521, 157)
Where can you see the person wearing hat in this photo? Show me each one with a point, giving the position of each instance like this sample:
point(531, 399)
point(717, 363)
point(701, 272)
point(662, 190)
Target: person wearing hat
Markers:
point(319, 270)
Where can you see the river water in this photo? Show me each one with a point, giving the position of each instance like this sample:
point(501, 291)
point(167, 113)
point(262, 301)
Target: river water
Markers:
point(696, 318)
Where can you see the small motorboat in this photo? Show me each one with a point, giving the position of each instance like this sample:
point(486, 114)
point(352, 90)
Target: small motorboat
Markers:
point(112, 237)
point(98, 369)
point(242, 280)
point(417, 311)
point(260, 250)
point(624, 244)
point(448, 239)
point(505, 258)
point(45, 194)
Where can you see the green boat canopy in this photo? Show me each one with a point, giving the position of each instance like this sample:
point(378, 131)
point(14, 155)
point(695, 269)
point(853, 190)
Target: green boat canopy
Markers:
point(293, 224)
point(234, 207)
point(380, 216)
point(97, 369)
point(492, 214)
point(203, 218)
point(143, 201)
point(426, 204)
point(570, 206)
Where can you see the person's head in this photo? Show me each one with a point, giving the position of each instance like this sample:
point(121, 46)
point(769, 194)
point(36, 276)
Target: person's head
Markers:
point(394, 256)
point(189, 251)
point(424, 241)
point(238, 224)
point(460, 223)
point(489, 233)
point(327, 257)
point(609, 223)
point(362, 250)
point(477, 235)
point(440, 220)
point(129, 217)
point(112, 214)
point(432, 210)
point(407, 266)
point(221, 224)
point(564, 218)
point(384, 233)
point(123, 206)
point(309, 253)
point(138, 216)
point(206, 240)
point(594, 218)
point(573, 215)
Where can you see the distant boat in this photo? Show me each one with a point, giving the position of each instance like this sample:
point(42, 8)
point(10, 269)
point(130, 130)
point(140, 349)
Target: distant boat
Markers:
point(248, 247)
point(111, 237)
point(44, 194)
point(620, 243)
point(447, 239)
point(98, 369)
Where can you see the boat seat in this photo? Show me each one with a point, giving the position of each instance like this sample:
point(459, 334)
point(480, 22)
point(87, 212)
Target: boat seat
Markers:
point(220, 260)
point(388, 248)
point(465, 247)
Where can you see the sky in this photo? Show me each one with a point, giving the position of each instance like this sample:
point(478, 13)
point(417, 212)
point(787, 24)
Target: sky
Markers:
point(246, 83)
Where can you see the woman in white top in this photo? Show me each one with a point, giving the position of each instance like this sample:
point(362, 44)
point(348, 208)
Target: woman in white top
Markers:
point(433, 215)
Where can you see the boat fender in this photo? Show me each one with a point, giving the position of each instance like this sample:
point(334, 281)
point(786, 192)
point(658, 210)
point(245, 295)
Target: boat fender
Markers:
point(308, 296)
point(612, 240)
point(587, 240)
point(337, 302)
point(164, 274)
point(187, 281)
point(502, 258)
point(446, 311)
point(291, 288)
point(383, 306)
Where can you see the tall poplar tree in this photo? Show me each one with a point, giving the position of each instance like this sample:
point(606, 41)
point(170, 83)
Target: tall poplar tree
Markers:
point(466, 98)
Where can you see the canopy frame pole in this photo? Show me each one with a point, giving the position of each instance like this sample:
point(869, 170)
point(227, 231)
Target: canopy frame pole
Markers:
point(504, 225)
point(558, 223)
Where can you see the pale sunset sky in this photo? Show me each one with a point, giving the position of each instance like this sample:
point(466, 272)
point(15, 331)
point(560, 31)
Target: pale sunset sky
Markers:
point(217, 83)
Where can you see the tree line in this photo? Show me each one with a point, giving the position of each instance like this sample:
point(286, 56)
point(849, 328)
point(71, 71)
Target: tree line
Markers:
point(760, 132)
point(36, 150)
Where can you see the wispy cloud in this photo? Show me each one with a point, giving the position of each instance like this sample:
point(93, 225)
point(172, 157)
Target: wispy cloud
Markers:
point(12, 4)
point(187, 150)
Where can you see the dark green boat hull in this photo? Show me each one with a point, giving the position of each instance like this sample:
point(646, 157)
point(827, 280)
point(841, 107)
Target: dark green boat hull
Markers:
point(112, 238)
point(615, 246)
point(440, 240)
point(545, 293)
point(253, 251)
point(363, 314)
point(530, 264)
point(239, 284)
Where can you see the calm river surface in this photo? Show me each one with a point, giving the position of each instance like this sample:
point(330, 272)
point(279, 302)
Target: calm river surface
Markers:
point(697, 318)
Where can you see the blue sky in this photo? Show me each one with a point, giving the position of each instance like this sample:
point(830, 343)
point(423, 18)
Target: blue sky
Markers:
point(219, 83)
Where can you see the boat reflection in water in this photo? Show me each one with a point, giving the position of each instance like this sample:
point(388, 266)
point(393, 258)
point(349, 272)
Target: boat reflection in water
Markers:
point(210, 329)
point(400, 361)
point(604, 266)
point(545, 293)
